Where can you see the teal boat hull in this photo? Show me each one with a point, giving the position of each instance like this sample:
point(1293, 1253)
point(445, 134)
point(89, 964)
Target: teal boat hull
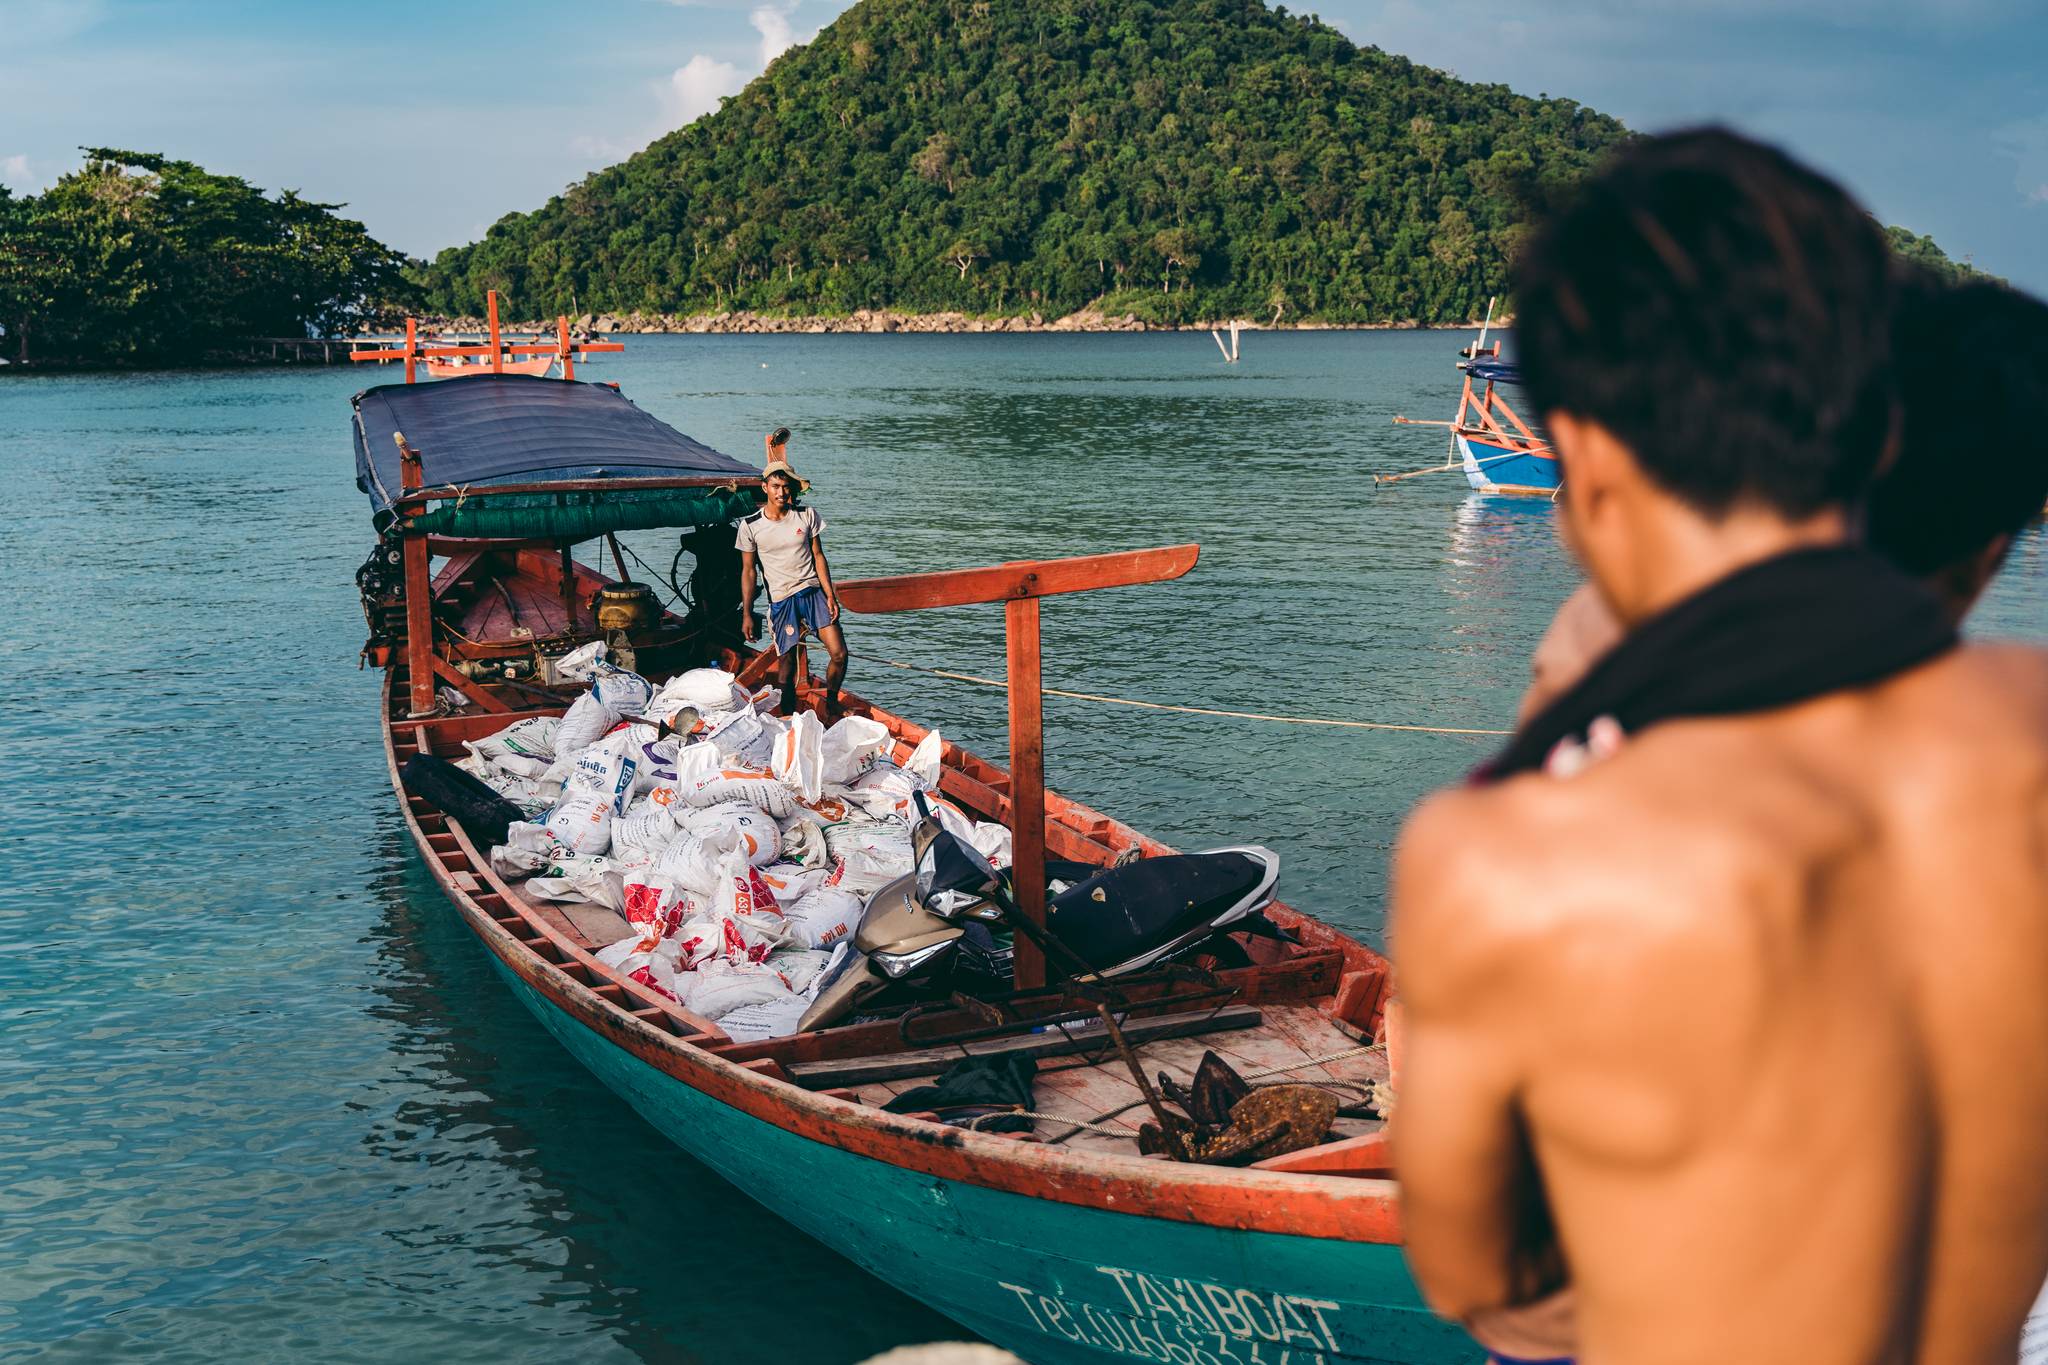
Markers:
point(1057, 1283)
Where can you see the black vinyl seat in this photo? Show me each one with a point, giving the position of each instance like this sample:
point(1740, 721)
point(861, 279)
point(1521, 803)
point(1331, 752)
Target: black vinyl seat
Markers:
point(1122, 912)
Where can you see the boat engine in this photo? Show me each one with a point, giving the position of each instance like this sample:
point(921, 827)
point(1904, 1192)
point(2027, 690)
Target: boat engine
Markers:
point(381, 581)
point(625, 607)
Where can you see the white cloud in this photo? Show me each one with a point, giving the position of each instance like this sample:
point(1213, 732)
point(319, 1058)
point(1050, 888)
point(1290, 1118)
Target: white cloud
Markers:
point(15, 172)
point(2026, 143)
point(778, 35)
point(695, 88)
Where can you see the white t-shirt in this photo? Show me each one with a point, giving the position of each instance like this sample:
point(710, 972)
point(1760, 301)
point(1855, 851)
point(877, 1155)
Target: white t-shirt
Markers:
point(2034, 1336)
point(784, 549)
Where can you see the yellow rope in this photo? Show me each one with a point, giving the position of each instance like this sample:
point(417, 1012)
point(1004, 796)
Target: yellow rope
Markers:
point(1188, 710)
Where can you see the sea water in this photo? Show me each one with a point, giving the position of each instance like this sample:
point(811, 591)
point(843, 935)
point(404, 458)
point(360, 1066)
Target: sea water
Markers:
point(260, 1094)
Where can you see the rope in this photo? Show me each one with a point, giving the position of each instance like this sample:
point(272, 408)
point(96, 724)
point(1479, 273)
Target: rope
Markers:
point(1118, 1131)
point(1346, 1055)
point(1186, 710)
point(675, 602)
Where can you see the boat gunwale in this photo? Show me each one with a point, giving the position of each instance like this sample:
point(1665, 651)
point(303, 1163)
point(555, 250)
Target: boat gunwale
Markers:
point(1346, 1208)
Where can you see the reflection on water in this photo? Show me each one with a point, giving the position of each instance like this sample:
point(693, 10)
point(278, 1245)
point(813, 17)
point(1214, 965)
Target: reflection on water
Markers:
point(259, 1092)
point(634, 1241)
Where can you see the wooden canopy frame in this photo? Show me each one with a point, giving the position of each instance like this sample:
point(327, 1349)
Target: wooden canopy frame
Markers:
point(1018, 586)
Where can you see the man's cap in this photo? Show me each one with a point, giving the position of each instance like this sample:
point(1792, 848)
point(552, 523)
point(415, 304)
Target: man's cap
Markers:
point(803, 485)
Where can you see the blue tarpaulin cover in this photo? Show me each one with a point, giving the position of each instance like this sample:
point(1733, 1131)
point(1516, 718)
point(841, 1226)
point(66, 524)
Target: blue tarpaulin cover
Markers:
point(1495, 371)
point(519, 428)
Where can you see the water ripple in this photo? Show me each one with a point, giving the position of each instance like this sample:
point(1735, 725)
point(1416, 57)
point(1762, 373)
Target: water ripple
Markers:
point(260, 1094)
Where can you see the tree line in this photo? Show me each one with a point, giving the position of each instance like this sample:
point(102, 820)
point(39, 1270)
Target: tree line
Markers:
point(138, 259)
point(1176, 159)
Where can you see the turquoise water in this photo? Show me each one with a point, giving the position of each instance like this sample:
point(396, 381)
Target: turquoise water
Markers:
point(259, 1093)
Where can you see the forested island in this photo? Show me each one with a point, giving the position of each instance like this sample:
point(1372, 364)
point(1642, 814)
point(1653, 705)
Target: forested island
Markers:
point(1180, 160)
point(956, 162)
point(139, 259)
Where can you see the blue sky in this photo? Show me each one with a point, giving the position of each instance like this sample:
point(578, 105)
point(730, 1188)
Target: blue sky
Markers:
point(433, 119)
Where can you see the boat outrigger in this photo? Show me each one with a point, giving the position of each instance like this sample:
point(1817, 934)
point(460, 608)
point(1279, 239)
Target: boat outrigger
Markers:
point(1064, 1242)
point(1501, 454)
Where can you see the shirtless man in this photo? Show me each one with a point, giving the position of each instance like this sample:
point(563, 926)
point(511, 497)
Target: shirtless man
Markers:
point(1742, 1033)
point(1972, 362)
point(1973, 463)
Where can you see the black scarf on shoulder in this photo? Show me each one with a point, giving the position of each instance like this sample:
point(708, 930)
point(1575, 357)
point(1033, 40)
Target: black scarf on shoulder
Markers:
point(1781, 631)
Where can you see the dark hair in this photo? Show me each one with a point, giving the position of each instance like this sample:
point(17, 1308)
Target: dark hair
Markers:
point(1722, 310)
point(1973, 383)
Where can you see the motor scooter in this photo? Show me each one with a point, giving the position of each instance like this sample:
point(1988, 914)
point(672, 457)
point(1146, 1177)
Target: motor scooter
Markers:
point(1119, 920)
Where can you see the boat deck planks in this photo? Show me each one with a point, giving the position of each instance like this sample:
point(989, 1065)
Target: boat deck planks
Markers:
point(1095, 1086)
point(930, 1061)
point(596, 926)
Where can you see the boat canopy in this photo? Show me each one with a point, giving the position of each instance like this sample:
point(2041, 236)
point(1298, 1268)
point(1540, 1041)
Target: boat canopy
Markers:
point(1495, 371)
point(484, 429)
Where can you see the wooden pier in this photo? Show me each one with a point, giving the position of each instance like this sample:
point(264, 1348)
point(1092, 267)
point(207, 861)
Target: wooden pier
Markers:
point(303, 350)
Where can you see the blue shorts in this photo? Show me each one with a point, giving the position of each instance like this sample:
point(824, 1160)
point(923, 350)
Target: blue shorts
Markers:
point(805, 609)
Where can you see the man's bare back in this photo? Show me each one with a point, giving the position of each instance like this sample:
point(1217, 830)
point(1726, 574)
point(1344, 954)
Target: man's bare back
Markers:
point(1783, 1029)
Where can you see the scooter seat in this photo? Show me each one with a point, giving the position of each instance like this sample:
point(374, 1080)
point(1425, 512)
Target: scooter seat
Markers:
point(1124, 912)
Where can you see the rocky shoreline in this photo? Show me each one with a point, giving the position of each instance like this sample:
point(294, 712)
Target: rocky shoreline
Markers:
point(888, 320)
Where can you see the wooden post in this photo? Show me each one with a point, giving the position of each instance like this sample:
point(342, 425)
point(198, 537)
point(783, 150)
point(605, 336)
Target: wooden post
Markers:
point(412, 346)
point(569, 584)
point(562, 343)
point(1018, 586)
point(419, 589)
point(1027, 781)
point(497, 356)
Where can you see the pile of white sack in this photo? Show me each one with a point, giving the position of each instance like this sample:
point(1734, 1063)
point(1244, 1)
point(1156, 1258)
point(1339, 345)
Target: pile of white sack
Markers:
point(741, 853)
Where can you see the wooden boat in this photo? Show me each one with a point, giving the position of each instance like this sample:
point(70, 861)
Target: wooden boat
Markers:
point(492, 356)
point(457, 369)
point(1501, 454)
point(1064, 1244)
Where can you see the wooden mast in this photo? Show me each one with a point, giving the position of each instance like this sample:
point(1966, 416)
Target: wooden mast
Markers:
point(419, 589)
point(497, 355)
point(1018, 586)
point(1027, 781)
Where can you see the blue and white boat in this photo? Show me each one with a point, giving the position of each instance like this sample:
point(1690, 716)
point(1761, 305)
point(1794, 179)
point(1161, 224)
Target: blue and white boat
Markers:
point(1500, 453)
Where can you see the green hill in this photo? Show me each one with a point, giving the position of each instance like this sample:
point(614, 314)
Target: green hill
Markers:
point(1189, 158)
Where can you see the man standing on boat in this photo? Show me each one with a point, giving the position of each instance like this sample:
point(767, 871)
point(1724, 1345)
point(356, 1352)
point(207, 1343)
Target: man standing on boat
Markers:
point(1736, 1038)
point(787, 540)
